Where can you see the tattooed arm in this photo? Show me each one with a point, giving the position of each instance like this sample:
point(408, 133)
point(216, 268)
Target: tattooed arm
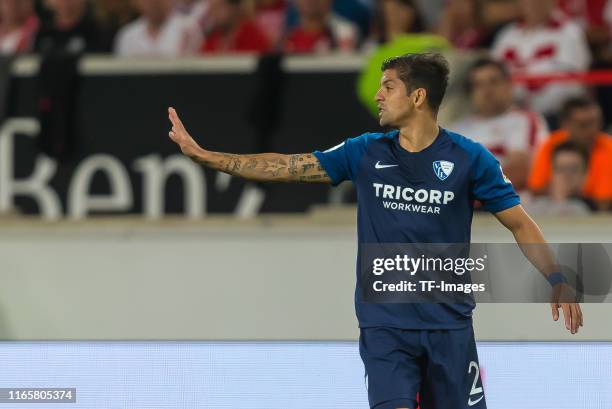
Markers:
point(265, 167)
point(270, 167)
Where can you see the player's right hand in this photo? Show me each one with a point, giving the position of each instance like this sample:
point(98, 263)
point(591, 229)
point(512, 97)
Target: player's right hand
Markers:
point(181, 137)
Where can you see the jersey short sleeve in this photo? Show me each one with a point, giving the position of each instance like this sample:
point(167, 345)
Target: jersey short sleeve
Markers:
point(341, 162)
point(490, 185)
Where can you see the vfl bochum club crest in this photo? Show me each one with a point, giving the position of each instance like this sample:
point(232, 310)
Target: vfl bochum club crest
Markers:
point(443, 168)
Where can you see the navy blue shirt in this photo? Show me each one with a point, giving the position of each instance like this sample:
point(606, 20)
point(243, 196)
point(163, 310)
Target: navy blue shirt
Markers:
point(417, 197)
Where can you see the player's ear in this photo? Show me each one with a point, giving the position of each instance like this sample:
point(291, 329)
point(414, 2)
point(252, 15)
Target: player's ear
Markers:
point(419, 97)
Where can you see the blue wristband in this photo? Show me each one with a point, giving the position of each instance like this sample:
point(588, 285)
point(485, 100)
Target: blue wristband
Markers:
point(556, 278)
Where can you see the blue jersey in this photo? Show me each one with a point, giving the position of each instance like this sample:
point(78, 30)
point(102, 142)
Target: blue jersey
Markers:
point(417, 197)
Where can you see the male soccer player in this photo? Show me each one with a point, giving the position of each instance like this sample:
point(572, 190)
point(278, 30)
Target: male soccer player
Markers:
point(409, 348)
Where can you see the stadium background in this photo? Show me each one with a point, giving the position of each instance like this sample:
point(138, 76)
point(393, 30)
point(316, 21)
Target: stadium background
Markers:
point(146, 281)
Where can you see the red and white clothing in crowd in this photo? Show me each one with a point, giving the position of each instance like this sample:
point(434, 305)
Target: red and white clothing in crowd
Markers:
point(515, 130)
point(176, 37)
point(586, 13)
point(19, 40)
point(607, 16)
point(247, 37)
point(197, 14)
point(558, 46)
point(270, 17)
point(340, 34)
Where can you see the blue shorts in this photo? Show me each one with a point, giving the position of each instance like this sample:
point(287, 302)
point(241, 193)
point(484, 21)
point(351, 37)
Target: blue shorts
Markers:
point(440, 365)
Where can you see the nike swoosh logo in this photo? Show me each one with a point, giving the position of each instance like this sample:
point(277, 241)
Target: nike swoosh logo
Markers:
point(379, 166)
point(472, 403)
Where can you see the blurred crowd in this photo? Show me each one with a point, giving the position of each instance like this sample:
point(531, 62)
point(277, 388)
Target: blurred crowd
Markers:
point(565, 171)
point(183, 27)
point(509, 28)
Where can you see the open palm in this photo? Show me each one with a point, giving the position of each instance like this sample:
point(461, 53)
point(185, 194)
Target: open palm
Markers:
point(181, 137)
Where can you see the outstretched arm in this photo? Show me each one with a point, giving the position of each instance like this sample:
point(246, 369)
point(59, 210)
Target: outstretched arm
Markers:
point(527, 233)
point(263, 167)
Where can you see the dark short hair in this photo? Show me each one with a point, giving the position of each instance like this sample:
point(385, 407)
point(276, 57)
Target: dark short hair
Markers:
point(571, 146)
point(428, 70)
point(576, 103)
point(485, 62)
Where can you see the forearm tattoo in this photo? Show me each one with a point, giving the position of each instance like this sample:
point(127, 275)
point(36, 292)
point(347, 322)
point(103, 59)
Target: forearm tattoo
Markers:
point(271, 167)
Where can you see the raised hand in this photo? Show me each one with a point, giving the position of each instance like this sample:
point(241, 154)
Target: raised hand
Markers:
point(262, 167)
point(181, 137)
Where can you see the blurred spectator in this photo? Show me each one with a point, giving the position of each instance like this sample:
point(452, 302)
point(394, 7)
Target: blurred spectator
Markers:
point(581, 121)
point(320, 30)
point(196, 11)
point(461, 23)
point(358, 12)
point(476, 23)
point(430, 10)
point(188, 6)
point(231, 31)
point(590, 15)
point(71, 29)
point(18, 26)
point(607, 15)
point(270, 16)
point(111, 15)
point(585, 13)
point(602, 48)
point(569, 170)
point(603, 43)
point(543, 42)
point(511, 134)
point(495, 16)
point(501, 12)
point(159, 32)
point(394, 18)
point(397, 30)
